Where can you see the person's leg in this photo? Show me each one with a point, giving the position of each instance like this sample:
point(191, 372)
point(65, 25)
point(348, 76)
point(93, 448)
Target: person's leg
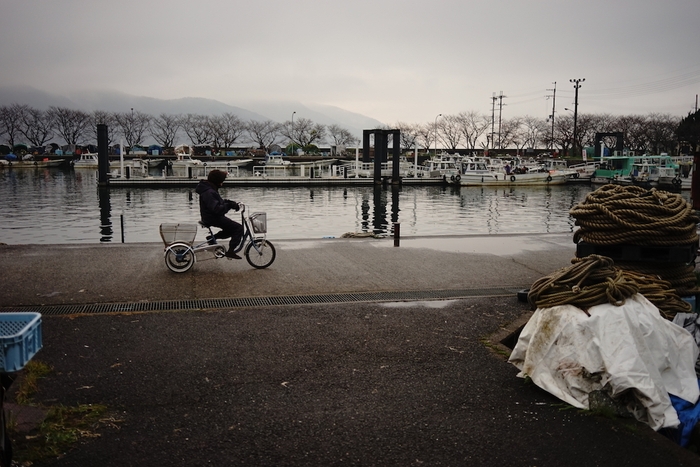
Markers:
point(230, 228)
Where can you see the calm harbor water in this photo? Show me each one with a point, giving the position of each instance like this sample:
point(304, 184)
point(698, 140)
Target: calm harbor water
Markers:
point(50, 206)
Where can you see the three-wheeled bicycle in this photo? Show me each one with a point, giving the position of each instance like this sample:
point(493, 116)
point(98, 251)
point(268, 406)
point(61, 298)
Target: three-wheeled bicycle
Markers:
point(181, 251)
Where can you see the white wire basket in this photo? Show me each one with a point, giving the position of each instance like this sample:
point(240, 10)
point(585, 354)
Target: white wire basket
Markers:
point(178, 233)
point(259, 222)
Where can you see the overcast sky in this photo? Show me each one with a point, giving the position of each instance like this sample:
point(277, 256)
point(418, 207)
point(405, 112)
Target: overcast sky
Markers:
point(393, 60)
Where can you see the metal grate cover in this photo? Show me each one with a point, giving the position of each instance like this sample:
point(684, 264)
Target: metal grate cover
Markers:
point(224, 303)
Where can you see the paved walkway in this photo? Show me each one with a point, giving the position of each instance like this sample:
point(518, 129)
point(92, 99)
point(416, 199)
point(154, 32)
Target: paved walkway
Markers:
point(357, 383)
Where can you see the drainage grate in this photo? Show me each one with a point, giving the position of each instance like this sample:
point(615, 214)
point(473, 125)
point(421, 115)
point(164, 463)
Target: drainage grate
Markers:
point(223, 303)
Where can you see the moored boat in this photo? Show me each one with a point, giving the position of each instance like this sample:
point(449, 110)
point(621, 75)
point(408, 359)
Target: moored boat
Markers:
point(87, 160)
point(477, 174)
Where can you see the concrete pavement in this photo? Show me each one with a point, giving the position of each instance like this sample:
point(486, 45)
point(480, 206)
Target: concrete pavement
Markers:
point(358, 383)
point(71, 274)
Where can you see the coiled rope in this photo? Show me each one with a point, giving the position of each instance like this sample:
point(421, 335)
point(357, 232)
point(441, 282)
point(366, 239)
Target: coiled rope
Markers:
point(626, 215)
point(595, 280)
point(615, 215)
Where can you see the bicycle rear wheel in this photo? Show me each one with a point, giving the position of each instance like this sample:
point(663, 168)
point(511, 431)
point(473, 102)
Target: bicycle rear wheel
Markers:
point(179, 258)
point(260, 253)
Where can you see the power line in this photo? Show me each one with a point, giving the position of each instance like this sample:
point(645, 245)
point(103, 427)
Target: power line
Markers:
point(653, 87)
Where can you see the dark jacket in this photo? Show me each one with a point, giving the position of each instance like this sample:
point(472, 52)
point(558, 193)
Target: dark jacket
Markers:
point(211, 206)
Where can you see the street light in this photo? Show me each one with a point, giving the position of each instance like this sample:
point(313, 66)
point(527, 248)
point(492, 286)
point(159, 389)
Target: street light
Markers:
point(436, 117)
point(291, 133)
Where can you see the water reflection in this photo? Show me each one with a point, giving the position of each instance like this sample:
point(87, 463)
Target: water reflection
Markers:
point(105, 214)
point(78, 211)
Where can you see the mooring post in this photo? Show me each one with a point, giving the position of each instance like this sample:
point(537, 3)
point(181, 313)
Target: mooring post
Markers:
point(397, 233)
point(695, 181)
point(102, 155)
point(395, 156)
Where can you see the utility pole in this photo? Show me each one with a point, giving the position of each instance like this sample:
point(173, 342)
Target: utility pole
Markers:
point(493, 111)
point(554, 106)
point(577, 85)
point(500, 111)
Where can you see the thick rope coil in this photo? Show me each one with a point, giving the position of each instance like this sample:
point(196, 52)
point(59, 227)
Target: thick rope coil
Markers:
point(630, 215)
point(614, 215)
point(594, 280)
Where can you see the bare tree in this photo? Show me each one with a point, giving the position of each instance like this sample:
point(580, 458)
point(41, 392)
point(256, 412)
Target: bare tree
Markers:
point(304, 132)
point(100, 117)
point(164, 129)
point(472, 125)
point(36, 126)
point(449, 131)
point(633, 128)
point(340, 136)
point(264, 134)
point(71, 124)
point(426, 135)
point(585, 132)
point(197, 128)
point(533, 130)
point(662, 132)
point(225, 130)
point(564, 132)
point(409, 135)
point(510, 131)
point(11, 122)
point(133, 126)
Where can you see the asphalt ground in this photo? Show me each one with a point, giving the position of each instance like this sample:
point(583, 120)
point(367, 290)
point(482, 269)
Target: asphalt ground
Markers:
point(399, 382)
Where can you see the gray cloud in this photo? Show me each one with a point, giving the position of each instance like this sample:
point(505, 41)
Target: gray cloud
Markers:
point(390, 60)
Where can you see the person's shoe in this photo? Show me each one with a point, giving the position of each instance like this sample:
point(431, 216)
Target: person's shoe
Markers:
point(232, 254)
point(211, 240)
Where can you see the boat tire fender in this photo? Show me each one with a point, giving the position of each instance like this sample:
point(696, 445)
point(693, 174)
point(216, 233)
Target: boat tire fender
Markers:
point(512, 178)
point(458, 178)
point(452, 178)
point(549, 178)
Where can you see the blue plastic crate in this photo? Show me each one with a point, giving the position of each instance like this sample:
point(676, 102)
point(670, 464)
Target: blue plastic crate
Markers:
point(20, 339)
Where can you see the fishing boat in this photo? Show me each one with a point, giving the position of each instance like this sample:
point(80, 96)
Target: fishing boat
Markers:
point(29, 163)
point(366, 169)
point(475, 173)
point(445, 166)
point(584, 171)
point(614, 169)
point(185, 160)
point(86, 160)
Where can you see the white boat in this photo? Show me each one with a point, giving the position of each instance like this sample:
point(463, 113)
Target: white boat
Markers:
point(443, 166)
point(366, 169)
point(585, 170)
point(657, 171)
point(225, 165)
point(185, 160)
point(278, 160)
point(30, 164)
point(477, 173)
point(560, 166)
point(87, 160)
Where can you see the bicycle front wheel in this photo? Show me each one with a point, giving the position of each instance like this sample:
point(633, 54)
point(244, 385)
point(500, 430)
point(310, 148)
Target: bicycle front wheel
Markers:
point(260, 253)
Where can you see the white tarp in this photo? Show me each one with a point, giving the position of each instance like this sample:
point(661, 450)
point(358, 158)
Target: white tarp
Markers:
point(617, 349)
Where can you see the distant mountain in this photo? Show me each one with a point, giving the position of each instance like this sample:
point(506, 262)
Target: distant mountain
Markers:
point(112, 101)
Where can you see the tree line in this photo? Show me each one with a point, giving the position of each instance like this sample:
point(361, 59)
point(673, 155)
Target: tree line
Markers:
point(651, 133)
point(23, 123)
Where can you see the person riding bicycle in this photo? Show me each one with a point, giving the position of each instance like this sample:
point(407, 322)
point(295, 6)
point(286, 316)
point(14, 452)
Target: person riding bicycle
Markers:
point(213, 209)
